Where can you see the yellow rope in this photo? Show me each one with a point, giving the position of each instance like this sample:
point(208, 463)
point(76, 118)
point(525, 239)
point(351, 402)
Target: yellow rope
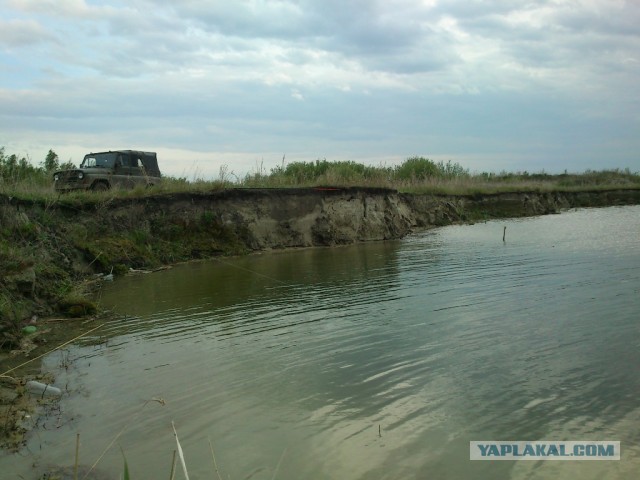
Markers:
point(52, 350)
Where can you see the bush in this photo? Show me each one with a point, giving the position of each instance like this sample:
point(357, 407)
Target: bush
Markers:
point(19, 171)
point(416, 168)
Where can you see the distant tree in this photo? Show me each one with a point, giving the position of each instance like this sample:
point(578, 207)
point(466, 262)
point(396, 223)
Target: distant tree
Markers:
point(51, 161)
point(16, 169)
point(68, 165)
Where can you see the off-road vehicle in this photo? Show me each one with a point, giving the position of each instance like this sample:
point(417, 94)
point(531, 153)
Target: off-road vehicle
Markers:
point(105, 170)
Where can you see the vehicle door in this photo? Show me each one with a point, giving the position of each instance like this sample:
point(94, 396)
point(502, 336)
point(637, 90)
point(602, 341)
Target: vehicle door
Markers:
point(125, 170)
point(136, 176)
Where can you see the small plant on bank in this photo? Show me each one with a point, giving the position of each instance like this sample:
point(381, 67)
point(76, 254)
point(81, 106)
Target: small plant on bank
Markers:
point(76, 305)
point(13, 312)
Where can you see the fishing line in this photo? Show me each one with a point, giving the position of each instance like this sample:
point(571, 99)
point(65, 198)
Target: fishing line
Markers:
point(252, 271)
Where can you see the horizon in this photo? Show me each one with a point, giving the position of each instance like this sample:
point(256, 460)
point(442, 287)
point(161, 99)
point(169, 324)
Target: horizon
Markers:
point(232, 177)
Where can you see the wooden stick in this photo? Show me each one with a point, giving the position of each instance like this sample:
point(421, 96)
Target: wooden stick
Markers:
point(75, 467)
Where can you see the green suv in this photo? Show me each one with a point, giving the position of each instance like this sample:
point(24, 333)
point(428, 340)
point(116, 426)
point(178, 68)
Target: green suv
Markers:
point(105, 170)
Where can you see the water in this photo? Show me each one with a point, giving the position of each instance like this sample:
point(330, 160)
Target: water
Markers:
point(376, 361)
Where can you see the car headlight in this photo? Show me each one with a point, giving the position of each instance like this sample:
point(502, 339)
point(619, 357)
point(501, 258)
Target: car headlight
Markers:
point(56, 177)
point(80, 175)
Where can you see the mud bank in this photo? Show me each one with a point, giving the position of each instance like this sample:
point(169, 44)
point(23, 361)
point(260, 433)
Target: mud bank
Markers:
point(47, 247)
point(438, 210)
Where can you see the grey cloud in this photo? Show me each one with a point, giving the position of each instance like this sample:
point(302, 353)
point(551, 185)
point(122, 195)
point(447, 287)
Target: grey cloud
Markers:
point(595, 44)
point(365, 27)
point(382, 36)
point(274, 20)
point(611, 19)
point(357, 27)
point(191, 75)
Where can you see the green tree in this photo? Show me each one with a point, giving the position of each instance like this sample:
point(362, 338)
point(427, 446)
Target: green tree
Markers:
point(51, 161)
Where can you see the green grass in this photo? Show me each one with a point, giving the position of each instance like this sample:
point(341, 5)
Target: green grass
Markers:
point(21, 179)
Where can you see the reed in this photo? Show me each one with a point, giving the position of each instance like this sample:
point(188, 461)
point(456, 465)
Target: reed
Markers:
point(128, 423)
point(173, 466)
point(180, 452)
point(215, 464)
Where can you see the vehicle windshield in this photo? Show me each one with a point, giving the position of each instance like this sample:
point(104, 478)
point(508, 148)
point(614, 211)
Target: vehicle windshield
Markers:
point(100, 160)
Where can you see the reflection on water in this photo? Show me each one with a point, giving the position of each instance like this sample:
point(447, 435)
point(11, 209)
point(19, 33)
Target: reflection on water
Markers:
point(373, 361)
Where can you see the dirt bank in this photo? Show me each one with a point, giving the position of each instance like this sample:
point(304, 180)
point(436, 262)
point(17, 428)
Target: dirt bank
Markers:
point(438, 210)
point(46, 248)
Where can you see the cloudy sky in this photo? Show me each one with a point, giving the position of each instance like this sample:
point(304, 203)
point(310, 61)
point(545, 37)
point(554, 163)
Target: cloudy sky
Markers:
point(492, 84)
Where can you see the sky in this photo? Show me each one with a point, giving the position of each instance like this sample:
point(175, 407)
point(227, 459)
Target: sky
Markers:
point(244, 85)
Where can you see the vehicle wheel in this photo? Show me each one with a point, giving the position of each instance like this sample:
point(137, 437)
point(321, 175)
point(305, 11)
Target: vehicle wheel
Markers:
point(100, 187)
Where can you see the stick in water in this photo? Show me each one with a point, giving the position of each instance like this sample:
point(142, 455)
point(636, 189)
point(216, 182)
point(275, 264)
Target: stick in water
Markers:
point(180, 454)
point(75, 467)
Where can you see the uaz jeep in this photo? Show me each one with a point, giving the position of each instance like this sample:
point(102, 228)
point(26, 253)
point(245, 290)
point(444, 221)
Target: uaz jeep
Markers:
point(104, 170)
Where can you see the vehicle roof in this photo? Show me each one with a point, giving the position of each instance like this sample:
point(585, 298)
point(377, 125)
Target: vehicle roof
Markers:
point(149, 159)
point(138, 152)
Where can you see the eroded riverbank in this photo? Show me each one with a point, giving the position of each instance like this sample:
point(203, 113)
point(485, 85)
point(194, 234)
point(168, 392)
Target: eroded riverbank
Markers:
point(48, 247)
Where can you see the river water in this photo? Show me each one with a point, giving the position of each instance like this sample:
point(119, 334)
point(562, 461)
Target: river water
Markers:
point(374, 361)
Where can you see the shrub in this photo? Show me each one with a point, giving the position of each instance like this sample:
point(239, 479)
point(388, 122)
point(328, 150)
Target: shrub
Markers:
point(416, 168)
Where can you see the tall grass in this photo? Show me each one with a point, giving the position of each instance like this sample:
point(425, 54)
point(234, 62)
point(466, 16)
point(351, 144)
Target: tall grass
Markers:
point(19, 177)
point(421, 175)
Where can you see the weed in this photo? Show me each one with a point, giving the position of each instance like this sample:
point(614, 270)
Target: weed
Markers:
point(75, 305)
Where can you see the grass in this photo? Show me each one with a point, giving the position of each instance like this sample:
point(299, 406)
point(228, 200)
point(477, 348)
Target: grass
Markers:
point(21, 179)
point(424, 176)
point(416, 175)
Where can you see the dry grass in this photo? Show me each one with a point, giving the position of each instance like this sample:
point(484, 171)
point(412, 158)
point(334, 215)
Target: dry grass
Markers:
point(415, 175)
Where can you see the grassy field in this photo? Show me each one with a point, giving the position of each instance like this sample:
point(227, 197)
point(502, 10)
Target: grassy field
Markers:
point(21, 178)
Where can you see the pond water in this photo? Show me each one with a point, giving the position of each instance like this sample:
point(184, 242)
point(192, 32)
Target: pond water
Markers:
point(374, 361)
